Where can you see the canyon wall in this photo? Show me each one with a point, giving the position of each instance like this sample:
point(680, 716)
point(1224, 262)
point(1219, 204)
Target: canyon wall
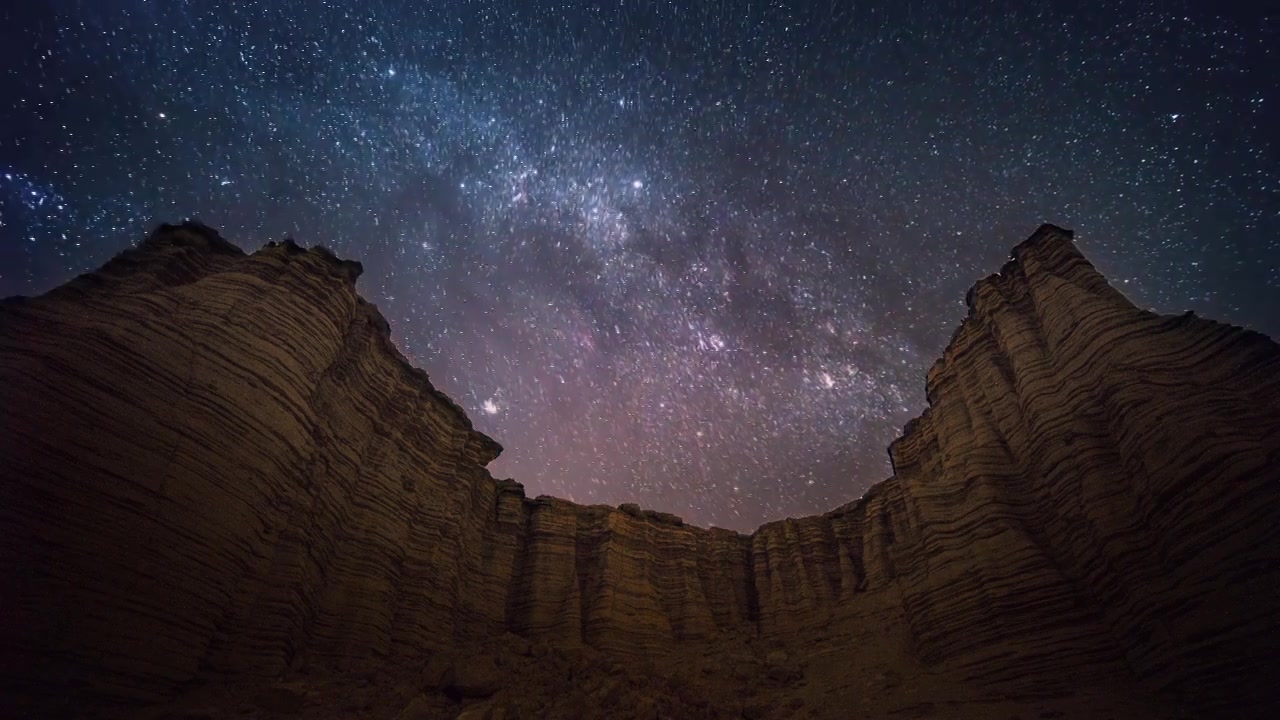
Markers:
point(217, 465)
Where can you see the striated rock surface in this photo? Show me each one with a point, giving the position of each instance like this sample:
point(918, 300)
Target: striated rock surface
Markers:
point(223, 492)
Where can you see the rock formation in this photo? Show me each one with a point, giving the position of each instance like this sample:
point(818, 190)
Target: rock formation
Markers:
point(224, 493)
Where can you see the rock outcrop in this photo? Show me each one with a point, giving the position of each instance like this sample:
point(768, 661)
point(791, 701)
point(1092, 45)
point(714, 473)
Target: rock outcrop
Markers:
point(221, 485)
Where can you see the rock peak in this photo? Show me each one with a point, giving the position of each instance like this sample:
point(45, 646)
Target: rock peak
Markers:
point(1047, 232)
point(191, 233)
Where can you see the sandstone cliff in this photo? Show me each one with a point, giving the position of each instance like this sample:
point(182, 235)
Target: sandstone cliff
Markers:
point(218, 475)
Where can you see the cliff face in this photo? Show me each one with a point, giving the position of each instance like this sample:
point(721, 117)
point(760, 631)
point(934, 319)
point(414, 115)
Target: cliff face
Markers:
point(217, 468)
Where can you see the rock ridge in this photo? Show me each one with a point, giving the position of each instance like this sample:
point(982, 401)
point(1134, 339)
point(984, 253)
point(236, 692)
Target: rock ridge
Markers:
point(249, 481)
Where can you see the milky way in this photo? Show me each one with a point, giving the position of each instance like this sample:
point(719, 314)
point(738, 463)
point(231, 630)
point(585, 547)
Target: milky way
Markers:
point(696, 255)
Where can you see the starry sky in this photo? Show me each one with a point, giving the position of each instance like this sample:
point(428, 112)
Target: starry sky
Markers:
point(695, 255)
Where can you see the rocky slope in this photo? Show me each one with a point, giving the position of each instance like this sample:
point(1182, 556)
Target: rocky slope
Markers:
point(224, 493)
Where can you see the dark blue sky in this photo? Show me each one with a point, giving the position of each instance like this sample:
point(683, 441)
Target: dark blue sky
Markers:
point(694, 255)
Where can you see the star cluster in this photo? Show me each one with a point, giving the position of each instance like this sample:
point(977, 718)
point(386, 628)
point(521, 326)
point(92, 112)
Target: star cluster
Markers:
point(696, 255)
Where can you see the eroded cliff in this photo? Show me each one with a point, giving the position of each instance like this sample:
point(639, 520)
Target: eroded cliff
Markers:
point(219, 473)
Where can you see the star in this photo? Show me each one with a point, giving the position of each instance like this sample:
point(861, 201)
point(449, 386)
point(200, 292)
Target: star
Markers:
point(695, 251)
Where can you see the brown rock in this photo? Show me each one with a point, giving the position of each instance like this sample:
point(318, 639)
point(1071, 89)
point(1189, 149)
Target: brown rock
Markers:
point(645, 709)
point(474, 677)
point(436, 674)
point(517, 645)
point(663, 518)
point(217, 465)
point(744, 669)
point(783, 674)
point(281, 700)
point(888, 679)
point(418, 709)
point(483, 712)
point(610, 694)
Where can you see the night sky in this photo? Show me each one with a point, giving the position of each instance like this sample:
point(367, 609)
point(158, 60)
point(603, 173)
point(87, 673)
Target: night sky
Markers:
point(695, 255)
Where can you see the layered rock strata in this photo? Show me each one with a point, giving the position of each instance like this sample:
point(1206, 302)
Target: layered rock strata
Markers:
point(216, 467)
